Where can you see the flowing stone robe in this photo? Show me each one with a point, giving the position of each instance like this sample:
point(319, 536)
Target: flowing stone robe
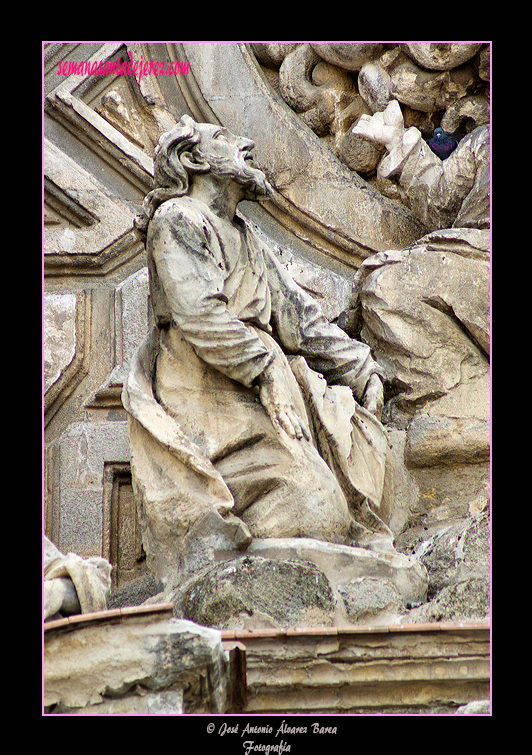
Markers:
point(203, 449)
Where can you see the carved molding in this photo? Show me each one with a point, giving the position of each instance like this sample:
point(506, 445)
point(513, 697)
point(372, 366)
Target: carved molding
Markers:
point(130, 321)
point(121, 537)
point(71, 374)
point(70, 248)
point(121, 154)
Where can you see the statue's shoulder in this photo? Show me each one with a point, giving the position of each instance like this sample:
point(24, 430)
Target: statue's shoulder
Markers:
point(178, 211)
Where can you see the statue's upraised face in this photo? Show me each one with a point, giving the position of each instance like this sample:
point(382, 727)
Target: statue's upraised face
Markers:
point(230, 155)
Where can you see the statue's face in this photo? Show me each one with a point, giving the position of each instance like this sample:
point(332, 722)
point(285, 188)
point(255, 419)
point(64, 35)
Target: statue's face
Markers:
point(219, 144)
point(230, 155)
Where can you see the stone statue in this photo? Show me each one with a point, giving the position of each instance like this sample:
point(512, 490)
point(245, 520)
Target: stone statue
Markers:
point(73, 584)
point(250, 415)
point(454, 192)
point(426, 309)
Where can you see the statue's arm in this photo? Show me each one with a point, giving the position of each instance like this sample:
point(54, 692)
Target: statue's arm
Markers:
point(304, 330)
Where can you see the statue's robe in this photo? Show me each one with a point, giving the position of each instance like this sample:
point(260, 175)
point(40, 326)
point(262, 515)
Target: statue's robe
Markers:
point(201, 441)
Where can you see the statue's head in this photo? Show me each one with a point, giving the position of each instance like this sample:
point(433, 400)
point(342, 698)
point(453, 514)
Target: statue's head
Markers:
point(191, 149)
point(169, 172)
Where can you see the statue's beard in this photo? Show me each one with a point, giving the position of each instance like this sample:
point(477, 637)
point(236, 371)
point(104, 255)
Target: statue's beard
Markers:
point(252, 179)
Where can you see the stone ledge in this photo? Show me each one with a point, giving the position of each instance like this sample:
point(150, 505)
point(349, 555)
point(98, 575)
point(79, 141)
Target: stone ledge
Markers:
point(442, 626)
point(398, 669)
point(112, 615)
point(368, 669)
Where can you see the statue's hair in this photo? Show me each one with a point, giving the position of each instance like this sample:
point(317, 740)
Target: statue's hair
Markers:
point(170, 176)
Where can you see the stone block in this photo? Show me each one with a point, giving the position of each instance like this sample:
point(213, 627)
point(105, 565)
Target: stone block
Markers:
point(262, 592)
point(77, 499)
point(367, 598)
point(59, 326)
point(133, 661)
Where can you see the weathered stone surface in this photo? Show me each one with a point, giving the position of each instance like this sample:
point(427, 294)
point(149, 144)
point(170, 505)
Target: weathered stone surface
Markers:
point(135, 593)
point(445, 440)
point(98, 229)
point(252, 591)
point(367, 598)
point(59, 315)
point(446, 492)
point(359, 153)
point(441, 56)
point(457, 551)
point(474, 110)
point(428, 91)
point(342, 564)
point(105, 666)
point(273, 53)
point(80, 455)
point(321, 582)
point(456, 555)
point(399, 670)
point(348, 55)
point(302, 582)
point(484, 65)
point(375, 86)
point(312, 88)
point(462, 601)
point(132, 320)
point(433, 347)
point(474, 708)
point(160, 703)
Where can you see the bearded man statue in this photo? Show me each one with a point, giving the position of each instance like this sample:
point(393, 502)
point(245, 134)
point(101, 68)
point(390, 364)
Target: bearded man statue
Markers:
point(250, 414)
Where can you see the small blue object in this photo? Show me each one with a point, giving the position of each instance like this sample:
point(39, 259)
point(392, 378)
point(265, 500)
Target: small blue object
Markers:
point(442, 144)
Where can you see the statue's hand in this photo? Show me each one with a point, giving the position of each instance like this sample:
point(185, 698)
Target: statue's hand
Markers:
point(373, 398)
point(276, 401)
point(384, 127)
